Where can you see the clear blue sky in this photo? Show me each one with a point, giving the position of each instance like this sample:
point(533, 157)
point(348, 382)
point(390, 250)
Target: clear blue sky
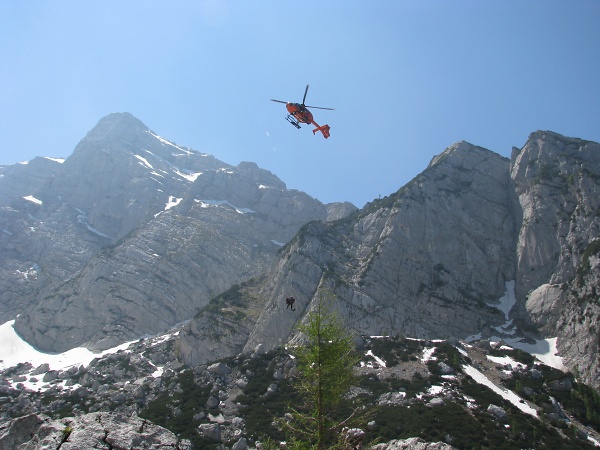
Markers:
point(407, 79)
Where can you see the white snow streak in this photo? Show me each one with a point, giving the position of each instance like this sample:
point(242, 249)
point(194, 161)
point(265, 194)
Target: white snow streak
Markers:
point(83, 219)
point(504, 393)
point(165, 142)
point(58, 160)
point(507, 301)
point(188, 176)
point(212, 203)
point(507, 361)
point(32, 199)
point(144, 162)
point(379, 361)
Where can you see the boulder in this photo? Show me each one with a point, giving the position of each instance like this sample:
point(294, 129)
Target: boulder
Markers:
point(435, 402)
point(241, 444)
point(42, 368)
point(211, 431)
point(497, 411)
point(219, 369)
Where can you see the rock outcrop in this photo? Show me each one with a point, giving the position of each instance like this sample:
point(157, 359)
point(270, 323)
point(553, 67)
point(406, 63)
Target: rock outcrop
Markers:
point(412, 444)
point(556, 180)
point(94, 430)
point(424, 262)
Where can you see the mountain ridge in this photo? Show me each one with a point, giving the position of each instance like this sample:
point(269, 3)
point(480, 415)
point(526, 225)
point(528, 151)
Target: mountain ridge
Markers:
point(131, 194)
point(156, 231)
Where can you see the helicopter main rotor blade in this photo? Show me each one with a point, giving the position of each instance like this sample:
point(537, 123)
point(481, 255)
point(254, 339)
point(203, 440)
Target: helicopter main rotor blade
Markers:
point(278, 101)
point(319, 107)
point(305, 92)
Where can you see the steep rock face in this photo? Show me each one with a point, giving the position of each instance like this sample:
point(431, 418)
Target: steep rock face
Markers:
point(424, 262)
point(40, 244)
point(556, 181)
point(337, 211)
point(134, 234)
point(157, 277)
point(25, 179)
point(434, 259)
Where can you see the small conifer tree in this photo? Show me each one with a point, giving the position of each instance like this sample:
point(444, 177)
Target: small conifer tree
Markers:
point(325, 362)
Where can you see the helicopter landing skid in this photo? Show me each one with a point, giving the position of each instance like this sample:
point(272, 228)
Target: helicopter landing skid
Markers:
point(291, 119)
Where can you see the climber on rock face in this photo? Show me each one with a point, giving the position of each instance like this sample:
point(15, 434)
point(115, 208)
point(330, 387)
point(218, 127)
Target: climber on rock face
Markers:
point(290, 303)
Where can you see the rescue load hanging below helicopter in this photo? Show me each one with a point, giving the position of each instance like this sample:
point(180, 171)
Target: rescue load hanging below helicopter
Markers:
point(299, 113)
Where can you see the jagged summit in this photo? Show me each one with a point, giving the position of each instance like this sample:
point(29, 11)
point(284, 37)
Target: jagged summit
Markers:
point(122, 132)
point(116, 121)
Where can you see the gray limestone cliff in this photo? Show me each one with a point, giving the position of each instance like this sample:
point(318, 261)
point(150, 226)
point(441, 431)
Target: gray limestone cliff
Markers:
point(424, 262)
point(133, 234)
point(428, 261)
point(434, 259)
point(556, 180)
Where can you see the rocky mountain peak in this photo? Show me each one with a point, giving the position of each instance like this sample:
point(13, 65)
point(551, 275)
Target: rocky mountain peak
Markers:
point(116, 124)
point(120, 134)
point(184, 226)
point(463, 155)
point(261, 177)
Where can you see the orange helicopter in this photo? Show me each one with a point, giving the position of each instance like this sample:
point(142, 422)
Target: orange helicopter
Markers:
point(298, 113)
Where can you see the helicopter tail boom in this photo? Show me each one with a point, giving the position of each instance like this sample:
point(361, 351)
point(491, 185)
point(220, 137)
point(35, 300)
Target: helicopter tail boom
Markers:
point(323, 129)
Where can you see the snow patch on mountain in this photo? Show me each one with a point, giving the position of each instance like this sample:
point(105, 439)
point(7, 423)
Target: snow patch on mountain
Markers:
point(144, 162)
point(165, 142)
point(216, 203)
point(428, 355)
point(14, 350)
point(507, 361)
point(544, 350)
point(58, 160)
point(32, 199)
point(377, 359)
point(186, 174)
point(507, 301)
point(504, 393)
point(30, 274)
point(173, 201)
point(190, 176)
